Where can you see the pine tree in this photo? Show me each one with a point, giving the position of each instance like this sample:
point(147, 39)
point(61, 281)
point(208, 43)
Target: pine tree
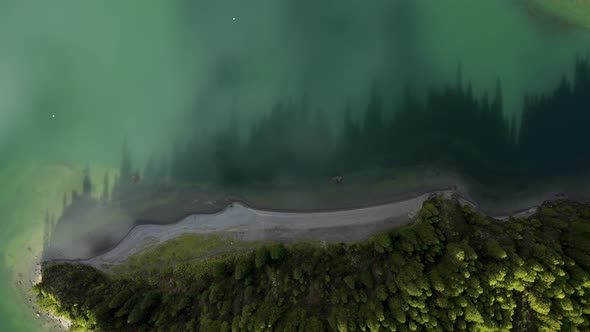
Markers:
point(125, 171)
point(498, 98)
point(87, 184)
point(105, 188)
point(350, 141)
point(47, 232)
point(459, 77)
point(372, 133)
point(262, 256)
point(115, 190)
point(47, 217)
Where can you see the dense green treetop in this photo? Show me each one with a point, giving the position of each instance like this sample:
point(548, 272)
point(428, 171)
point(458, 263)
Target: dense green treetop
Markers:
point(451, 270)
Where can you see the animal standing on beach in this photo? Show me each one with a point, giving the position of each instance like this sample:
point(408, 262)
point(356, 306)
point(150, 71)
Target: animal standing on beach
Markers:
point(337, 179)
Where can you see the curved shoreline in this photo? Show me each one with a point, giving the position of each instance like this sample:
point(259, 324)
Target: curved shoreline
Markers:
point(251, 221)
point(231, 199)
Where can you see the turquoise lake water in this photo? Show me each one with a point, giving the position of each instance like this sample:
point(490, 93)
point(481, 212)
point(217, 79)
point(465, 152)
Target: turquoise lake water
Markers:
point(78, 77)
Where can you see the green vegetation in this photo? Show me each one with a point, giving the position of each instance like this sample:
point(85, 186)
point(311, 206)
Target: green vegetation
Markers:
point(182, 248)
point(187, 247)
point(451, 270)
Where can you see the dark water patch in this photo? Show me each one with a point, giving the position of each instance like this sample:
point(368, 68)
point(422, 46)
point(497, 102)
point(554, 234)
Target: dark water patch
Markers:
point(450, 127)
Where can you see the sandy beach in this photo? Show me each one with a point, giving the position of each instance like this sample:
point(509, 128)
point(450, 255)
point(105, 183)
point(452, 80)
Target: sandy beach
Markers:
point(245, 223)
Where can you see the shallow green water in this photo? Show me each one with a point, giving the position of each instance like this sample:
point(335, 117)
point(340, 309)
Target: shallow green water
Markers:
point(77, 77)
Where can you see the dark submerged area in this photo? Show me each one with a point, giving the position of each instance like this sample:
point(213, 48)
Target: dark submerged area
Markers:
point(450, 127)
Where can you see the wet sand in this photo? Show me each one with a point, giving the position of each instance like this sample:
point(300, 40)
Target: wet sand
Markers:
point(244, 223)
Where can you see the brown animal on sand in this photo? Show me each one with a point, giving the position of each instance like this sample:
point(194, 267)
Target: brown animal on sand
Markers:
point(337, 179)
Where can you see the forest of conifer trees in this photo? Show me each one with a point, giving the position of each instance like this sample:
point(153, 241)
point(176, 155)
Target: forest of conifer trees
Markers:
point(452, 270)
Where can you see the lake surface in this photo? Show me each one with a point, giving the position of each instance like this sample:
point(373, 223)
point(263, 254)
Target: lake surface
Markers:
point(77, 78)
